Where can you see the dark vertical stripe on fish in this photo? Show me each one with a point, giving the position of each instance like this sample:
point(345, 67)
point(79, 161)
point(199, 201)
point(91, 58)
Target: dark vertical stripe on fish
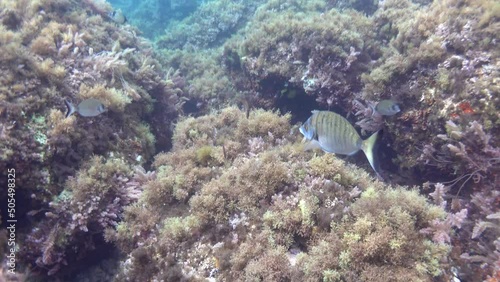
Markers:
point(313, 126)
point(341, 134)
point(328, 128)
point(331, 128)
point(338, 130)
point(322, 123)
point(345, 135)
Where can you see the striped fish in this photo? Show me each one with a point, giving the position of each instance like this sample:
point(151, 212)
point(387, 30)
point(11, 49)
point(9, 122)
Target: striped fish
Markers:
point(332, 133)
point(387, 108)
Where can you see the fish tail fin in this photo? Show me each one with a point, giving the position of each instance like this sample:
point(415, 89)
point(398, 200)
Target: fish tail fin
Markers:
point(369, 147)
point(71, 108)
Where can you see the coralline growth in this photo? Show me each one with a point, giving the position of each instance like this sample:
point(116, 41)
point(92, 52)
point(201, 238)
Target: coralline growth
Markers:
point(233, 196)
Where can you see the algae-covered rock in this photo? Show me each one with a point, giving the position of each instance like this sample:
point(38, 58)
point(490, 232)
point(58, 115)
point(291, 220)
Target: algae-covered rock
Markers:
point(274, 213)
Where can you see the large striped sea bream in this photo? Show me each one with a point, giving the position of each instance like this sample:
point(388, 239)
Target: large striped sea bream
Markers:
point(332, 133)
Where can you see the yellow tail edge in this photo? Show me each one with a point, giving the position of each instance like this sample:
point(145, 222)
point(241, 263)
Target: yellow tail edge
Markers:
point(368, 147)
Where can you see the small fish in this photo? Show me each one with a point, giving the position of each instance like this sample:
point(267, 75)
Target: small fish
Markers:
point(117, 16)
point(87, 108)
point(334, 134)
point(387, 108)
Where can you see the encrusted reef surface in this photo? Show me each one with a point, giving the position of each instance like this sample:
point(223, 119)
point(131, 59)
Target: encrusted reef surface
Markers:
point(195, 171)
point(237, 200)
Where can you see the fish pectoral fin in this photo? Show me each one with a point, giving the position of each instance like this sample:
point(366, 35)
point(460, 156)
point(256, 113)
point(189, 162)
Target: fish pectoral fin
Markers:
point(313, 144)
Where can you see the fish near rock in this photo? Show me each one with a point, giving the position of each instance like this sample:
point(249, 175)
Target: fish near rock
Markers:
point(333, 133)
point(117, 16)
point(87, 108)
point(387, 108)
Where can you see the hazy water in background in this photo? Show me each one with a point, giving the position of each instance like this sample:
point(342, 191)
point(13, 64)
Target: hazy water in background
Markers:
point(153, 16)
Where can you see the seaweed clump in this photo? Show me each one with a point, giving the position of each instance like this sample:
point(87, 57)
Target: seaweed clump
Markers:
point(52, 51)
point(308, 46)
point(73, 227)
point(263, 210)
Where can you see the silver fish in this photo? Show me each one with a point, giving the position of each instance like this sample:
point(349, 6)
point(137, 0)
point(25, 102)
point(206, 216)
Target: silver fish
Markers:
point(334, 134)
point(387, 108)
point(87, 108)
point(117, 16)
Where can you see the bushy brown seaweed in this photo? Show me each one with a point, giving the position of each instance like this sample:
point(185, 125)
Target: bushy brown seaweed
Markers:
point(264, 215)
point(236, 198)
point(58, 50)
